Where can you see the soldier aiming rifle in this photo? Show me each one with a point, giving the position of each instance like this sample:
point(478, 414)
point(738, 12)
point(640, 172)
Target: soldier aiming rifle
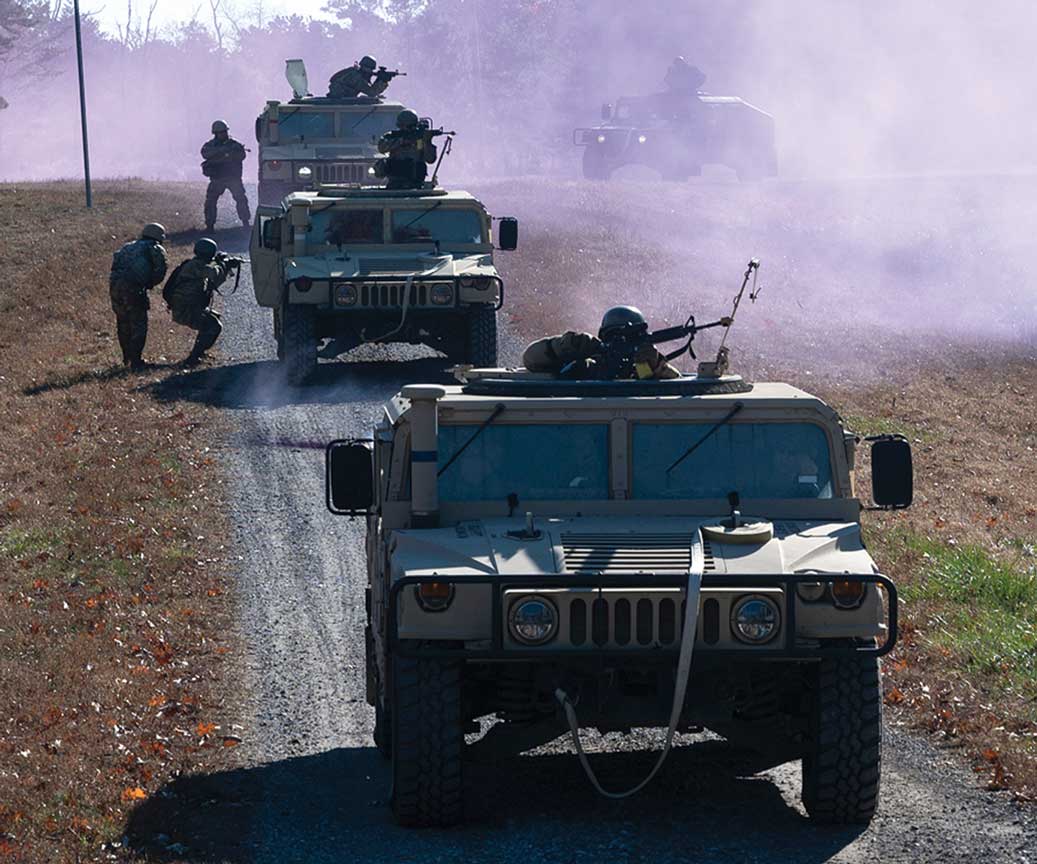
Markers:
point(363, 78)
point(409, 149)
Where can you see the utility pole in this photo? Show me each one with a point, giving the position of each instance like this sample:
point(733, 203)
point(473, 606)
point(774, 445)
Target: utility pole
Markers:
point(82, 107)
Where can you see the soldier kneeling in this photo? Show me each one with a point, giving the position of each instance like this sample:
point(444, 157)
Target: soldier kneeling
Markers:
point(189, 290)
point(614, 353)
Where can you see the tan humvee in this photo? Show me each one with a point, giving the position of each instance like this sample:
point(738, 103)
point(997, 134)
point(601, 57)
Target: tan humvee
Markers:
point(312, 140)
point(531, 546)
point(353, 265)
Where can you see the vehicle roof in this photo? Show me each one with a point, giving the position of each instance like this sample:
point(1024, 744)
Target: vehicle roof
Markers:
point(359, 103)
point(369, 194)
point(771, 395)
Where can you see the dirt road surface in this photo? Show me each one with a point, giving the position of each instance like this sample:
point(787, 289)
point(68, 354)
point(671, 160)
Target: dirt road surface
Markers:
point(312, 788)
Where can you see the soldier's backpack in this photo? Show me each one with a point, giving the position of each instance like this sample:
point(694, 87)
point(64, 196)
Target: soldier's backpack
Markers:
point(170, 286)
point(132, 262)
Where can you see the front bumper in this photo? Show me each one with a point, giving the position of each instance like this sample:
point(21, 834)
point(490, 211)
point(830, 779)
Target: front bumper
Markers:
point(386, 293)
point(787, 645)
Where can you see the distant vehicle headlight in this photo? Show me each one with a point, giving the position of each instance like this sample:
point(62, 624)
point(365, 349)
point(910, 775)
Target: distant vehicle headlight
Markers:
point(442, 295)
point(641, 139)
point(533, 620)
point(601, 139)
point(755, 619)
point(810, 591)
point(370, 170)
point(304, 173)
point(346, 295)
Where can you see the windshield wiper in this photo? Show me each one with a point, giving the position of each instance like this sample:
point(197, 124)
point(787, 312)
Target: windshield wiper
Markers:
point(738, 406)
point(362, 119)
point(420, 216)
point(497, 411)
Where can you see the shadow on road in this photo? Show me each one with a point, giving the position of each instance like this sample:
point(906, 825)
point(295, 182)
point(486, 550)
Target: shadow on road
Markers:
point(261, 384)
point(332, 806)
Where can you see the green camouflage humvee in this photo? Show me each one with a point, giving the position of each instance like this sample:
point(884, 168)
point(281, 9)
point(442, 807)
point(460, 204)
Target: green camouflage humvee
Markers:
point(544, 552)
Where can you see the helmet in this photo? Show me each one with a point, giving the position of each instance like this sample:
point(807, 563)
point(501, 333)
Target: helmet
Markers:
point(153, 231)
point(205, 249)
point(406, 119)
point(219, 126)
point(368, 63)
point(679, 61)
point(620, 318)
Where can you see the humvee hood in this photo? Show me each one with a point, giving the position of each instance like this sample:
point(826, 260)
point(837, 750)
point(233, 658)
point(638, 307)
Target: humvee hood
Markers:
point(618, 545)
point(357, 266)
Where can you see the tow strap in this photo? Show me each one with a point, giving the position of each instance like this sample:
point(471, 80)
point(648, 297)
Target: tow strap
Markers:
point(691, 615)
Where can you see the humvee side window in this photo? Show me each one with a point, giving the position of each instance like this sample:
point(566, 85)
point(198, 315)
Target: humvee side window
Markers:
point(342, 227)
point(756, 460)
point(432, 223)
point(306, 124)
point(546, 462)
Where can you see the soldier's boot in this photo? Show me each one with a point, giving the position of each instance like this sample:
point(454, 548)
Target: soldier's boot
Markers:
point(206, 338)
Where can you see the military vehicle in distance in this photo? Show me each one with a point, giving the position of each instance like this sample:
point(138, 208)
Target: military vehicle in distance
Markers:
point(357, 265)
point(532, 546)
point(312, 140)
point(664, 133)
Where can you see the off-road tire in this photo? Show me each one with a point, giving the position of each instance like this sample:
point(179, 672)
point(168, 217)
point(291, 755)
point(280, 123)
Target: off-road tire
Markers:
point(843, 753)
point(595, 167)
point(300, 342)
point(427, 743)
point(481, 337)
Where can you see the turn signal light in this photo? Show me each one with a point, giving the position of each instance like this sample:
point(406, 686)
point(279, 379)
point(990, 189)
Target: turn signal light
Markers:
point(435, 596)
point(847, 594)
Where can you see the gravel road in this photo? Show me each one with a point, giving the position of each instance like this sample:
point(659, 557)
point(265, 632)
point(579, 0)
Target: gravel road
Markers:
point(312, 788)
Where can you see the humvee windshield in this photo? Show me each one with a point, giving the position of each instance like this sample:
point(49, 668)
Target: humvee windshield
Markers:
point(756, 460)
point(511, 458)
point(368, 125)
point(341, 227)
point(446, 226)
point(306, 124)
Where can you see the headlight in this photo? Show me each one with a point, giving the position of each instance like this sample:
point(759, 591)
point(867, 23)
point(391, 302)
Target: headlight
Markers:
point(848, 594)
point(370, 170)
point(533, 620)
point(442, 295)
point(755, 619)
point(811, 592)
point(641, 139)
point(304, 173)
point(601, 139)
point(346, 295)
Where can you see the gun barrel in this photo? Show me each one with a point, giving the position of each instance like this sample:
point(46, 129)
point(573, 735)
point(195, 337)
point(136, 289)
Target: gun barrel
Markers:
point(669, 334)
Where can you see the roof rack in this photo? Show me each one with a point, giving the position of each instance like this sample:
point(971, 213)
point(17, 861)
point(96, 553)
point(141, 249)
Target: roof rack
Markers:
point(688, 385)
point(355, 190)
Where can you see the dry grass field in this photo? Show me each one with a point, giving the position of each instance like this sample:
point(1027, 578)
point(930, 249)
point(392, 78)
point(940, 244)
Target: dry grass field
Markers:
point(114, 612)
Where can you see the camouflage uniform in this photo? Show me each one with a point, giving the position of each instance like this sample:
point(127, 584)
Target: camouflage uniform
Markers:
point(354, 81)
point(224, 160)
point(191, 297)
point(408, 154)
point(137, 267)
point(554, 353)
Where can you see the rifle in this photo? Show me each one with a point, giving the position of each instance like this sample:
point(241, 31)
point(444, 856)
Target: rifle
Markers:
point(233, 264)
point(626, 348)
point(384, 74)
point(422, 130)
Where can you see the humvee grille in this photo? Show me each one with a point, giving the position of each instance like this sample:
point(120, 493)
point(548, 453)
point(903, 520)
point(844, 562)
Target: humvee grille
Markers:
point(386, 294)
point(630, 553)
point(342, 172)
point(622, 622)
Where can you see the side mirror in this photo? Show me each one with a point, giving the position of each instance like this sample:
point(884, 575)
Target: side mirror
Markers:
point(272, 234)
point(892, 472)
point(349, 478)
point(507, 233)
point(606, 111)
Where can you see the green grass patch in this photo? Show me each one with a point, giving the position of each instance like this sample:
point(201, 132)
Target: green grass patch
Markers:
point(980, 606)
point(868, 424)
point(19, 543)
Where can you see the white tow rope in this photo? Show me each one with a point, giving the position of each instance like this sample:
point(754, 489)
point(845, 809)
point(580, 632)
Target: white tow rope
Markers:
point(404, 308)
point(691, 616)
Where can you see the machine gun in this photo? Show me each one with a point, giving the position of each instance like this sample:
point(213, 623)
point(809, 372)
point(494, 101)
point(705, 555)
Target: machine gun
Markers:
point(384, 74)
point(630, 351)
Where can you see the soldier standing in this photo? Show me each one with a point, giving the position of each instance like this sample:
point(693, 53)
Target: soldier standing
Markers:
point(360, 79)
point(223, 163)
point(410, 149)
point(137, 267)
point(189, 294)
